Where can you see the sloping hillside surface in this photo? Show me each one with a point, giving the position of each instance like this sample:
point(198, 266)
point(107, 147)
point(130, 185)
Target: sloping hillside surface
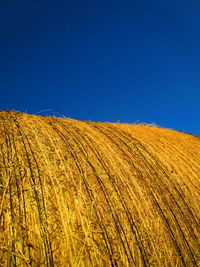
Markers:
point(78, 193)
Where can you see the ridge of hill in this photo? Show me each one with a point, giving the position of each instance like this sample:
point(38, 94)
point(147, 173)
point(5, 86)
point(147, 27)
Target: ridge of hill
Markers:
point(80, 193)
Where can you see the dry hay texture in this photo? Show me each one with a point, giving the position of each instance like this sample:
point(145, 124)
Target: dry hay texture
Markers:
point(78, 193)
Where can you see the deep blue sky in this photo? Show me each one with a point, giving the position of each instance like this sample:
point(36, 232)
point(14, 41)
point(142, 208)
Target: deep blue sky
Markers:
point(103, 60)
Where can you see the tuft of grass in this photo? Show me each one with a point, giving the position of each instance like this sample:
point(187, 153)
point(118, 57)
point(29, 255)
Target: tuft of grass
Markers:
point(78, 193)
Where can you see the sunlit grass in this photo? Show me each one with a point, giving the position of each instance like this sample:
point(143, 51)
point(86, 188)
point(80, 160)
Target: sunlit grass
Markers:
point(76, 193)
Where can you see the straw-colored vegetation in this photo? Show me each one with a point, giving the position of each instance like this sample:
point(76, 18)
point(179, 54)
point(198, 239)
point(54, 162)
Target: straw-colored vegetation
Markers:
point(77, 193)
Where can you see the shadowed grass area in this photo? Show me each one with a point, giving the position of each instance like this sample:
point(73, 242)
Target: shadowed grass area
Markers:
point(78, 193)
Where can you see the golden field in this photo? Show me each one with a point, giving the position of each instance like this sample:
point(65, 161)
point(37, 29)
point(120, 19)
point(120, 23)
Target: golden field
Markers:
point(79, 193)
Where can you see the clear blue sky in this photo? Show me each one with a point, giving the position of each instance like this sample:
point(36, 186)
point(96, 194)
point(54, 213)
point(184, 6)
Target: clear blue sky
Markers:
point(103, 60)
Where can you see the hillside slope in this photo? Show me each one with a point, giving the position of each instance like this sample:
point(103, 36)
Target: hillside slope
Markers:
point(77, 193)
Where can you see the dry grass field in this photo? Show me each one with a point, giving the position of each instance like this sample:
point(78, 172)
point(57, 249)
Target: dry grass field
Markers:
point(78, 193)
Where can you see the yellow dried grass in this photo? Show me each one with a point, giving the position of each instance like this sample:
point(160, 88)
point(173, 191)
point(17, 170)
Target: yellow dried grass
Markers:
point(77, 193)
